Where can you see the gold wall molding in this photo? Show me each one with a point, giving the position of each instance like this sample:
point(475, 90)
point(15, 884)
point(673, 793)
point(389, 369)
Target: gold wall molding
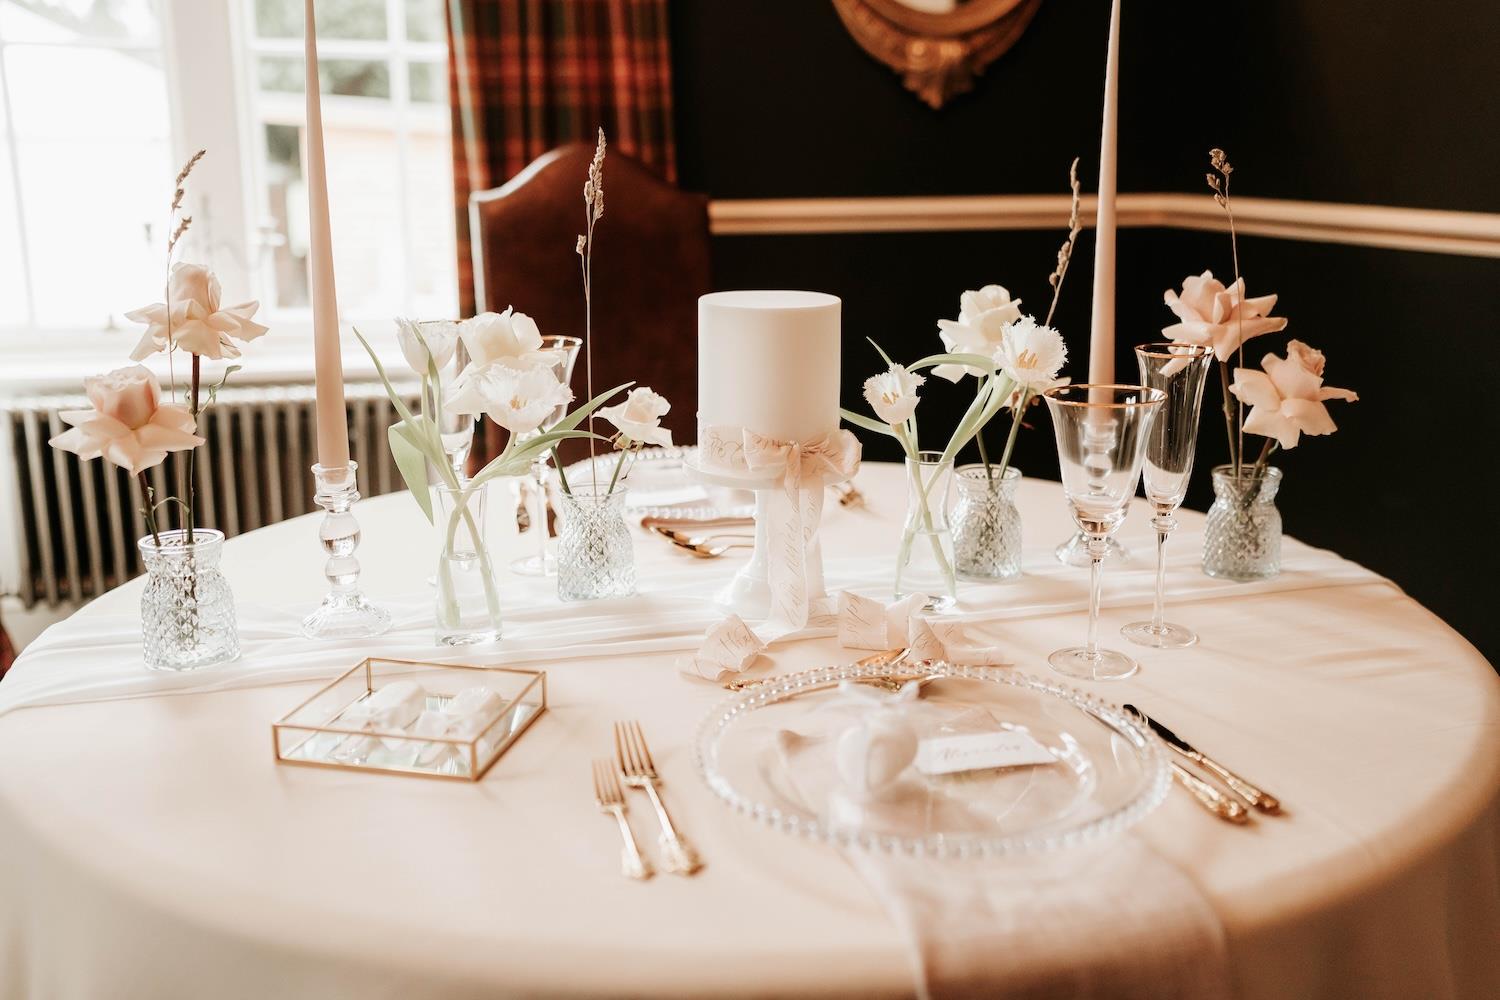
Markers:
point(1475, 234)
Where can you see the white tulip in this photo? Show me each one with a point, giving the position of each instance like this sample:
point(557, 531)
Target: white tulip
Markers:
point(491, 337)
point(982, 318)
point(518, 399)
point(440, 337)
point(1032, 355)
point(893, 394)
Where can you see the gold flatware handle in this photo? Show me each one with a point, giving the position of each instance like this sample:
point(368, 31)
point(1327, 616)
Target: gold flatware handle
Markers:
point(1250, 793)
point(632, 863)
point(1223, 806)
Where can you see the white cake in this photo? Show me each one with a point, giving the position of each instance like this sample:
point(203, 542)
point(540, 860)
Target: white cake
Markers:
point(768, 362)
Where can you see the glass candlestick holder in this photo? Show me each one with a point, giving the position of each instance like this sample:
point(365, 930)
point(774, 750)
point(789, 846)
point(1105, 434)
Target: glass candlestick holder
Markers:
point(345, 613)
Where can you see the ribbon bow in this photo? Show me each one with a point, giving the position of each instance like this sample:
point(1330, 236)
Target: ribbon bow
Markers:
point(865, 623)
point(795, 509)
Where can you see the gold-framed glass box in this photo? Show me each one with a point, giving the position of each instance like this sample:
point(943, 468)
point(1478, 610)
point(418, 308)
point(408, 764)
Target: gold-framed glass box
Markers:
point(437, 720)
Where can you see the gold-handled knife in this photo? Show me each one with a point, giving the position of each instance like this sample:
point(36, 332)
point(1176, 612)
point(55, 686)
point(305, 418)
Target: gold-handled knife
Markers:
point(1226, 807)
point(1261, 800)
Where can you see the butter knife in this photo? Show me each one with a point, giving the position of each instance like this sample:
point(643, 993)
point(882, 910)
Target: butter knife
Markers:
point(1226, 807)
point(1263, 801)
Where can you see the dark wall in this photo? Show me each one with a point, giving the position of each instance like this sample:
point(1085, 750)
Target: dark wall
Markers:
point(1357, 102)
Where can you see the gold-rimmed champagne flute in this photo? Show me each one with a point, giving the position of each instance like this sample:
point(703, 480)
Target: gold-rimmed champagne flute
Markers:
point(1179, 371)
point(1102, 432)
point(562, 352)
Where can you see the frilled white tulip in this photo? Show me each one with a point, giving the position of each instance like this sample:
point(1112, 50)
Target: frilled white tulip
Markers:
point(1032, 355)
point(893, 394)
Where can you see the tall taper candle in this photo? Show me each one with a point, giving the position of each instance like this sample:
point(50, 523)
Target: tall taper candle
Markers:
point(1102, 327)
point(333, 430)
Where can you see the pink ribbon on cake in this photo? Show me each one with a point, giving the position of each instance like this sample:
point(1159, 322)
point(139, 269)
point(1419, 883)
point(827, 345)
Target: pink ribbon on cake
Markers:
point(796, 507)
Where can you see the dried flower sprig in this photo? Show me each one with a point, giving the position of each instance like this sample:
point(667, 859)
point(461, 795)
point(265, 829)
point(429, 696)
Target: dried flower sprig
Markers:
point(1065, 252)
point(1234, 412)
point(179, 193)
point(593, 204)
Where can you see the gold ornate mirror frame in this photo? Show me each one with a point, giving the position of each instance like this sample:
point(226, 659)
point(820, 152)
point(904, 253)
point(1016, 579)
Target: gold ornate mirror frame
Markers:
point(937, 54)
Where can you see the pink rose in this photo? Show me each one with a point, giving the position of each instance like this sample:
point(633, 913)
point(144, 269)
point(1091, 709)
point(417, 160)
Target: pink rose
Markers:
point(199, 324)
point(129, 424)
point(1221, 317)
point(1286, 400)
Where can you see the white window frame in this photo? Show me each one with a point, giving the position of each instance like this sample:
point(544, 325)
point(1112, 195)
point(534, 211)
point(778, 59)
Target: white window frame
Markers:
point(209, 50)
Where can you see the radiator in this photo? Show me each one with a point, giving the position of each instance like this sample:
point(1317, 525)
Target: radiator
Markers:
point(74, 524)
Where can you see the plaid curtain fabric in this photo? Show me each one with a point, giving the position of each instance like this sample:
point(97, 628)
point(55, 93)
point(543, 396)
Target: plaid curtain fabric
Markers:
point(529, 75)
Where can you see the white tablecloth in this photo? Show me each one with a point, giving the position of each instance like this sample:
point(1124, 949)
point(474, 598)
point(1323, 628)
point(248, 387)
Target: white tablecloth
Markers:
point(150, 846)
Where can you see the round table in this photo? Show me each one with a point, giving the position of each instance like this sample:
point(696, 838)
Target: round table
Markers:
point(152, 847)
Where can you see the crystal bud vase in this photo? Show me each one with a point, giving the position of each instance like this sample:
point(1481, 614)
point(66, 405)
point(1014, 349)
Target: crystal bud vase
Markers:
point(1242, 540)
point(187, 609)
point(986, 524)
point(595, 557)
point(468, 600)
point(924, 562)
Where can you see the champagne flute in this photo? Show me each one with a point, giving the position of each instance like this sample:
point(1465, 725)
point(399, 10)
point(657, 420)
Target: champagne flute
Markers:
point(1180, 371)
point(1101, 438)
point(562, 352)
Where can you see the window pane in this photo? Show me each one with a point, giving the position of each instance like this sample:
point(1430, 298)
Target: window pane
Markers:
point(429, 82)
point(287, 202)
point(424, 20)
point(94, 236)
point(343, 77)
point(75, 20)
point(429, 193)
point(13, 301)
point(341, 19)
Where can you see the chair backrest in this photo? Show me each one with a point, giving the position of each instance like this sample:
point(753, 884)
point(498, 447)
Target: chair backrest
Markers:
point(650, 264)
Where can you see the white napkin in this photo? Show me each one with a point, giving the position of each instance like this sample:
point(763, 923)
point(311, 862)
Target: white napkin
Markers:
point(1113, 921)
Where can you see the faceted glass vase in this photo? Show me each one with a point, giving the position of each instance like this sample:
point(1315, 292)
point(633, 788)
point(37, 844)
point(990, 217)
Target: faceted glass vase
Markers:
point(986, 524)
point(1242, 540)
point(924, 562)
point(468, 599)
point(595, 556)
point(187, 610)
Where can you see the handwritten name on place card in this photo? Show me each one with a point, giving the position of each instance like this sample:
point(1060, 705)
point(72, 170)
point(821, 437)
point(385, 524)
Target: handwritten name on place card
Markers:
point(979, 751)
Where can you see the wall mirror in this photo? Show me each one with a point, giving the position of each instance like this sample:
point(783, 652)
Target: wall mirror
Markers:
point(937, 46)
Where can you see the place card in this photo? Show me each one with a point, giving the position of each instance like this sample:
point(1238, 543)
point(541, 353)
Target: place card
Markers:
point(980, 751)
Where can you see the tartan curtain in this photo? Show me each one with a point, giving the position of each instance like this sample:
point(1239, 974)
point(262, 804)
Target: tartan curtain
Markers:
point(526, 76)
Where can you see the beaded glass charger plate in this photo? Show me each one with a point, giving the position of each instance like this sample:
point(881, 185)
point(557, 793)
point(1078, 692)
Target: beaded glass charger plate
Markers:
point(660, 486)
point(797, 752)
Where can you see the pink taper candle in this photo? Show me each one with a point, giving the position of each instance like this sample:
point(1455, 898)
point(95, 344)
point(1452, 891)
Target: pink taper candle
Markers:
point(1102, 328)
point(333, 430)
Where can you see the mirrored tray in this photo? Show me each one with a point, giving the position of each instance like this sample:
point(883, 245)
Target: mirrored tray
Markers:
point(660, 486)
point(769, 751)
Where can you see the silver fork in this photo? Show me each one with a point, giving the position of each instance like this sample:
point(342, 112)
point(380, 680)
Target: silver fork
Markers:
point(639, 771)
point(611, 799)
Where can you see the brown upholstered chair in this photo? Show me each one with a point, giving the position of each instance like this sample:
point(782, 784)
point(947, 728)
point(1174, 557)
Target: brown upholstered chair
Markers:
point(651, 262)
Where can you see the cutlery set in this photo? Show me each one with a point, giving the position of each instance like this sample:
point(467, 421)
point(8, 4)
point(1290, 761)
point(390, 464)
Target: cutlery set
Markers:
point(1232, 806)
point(710, 538)
point(633, 765)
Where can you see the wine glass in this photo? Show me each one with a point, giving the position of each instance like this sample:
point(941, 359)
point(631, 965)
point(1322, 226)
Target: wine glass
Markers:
point(1180, 371)
point(562, 353)
point(1101, 438)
